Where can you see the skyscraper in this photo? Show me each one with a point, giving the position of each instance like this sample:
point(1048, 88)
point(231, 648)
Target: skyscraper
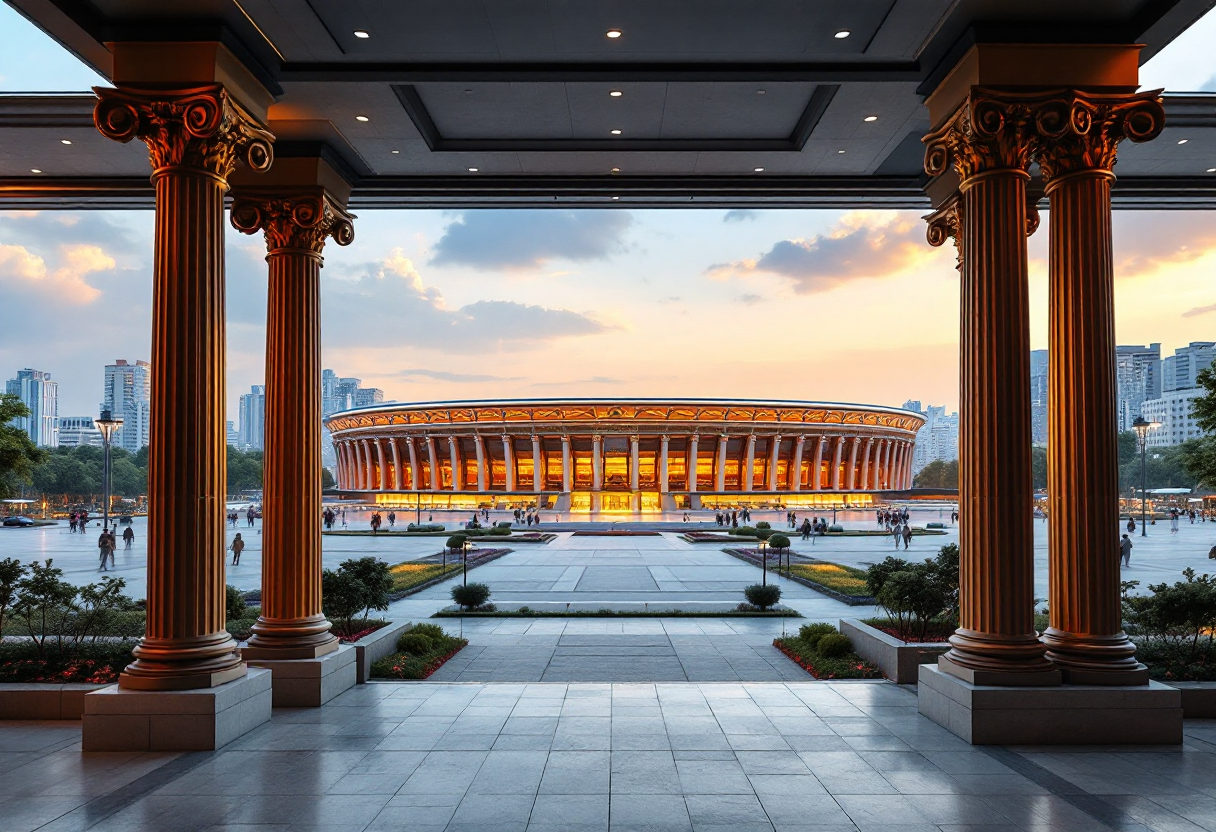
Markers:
point(937, 437)
point(75, 431)
point(41, 396)
point(1179, 370)
point(338, 394)
point(252, 431)
point(128, 393)
point(1038, 396)
point(1138, 376)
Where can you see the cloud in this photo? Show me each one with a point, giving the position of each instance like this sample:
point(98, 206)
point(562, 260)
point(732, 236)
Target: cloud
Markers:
point(527, 239)
point(863, 244)
point(1146, 241)
point(749, 300)
point(739, 215)
point(592, 380)
point(458, 378)
point(387, 304)
point(22, 269)
point(40, 230)
point(1199, 310)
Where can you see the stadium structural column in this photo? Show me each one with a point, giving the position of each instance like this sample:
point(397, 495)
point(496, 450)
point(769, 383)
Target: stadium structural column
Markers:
point(415, 469)
point(340, 452)
point(690, 469)
point(432, 456)
point(855, 444)
point(597, 463)
point(297, 213)
point(664, 447)
point(795, 478)
point(381, 466)
point(369, 475)
point(398, 474)
point(633, 462)
point(196, 134)
point(773, 457)
point(352, 455)
point(837, 453)
point(888, 455)
point(865, 462)
point(567, 473)
point(749, 465)
point(538, 466)
point(480, 451)
point(989, 139)
point(454, 459)
point(817, 464)
point(897, 466)
point(720, 467)
point(1085, 639)
point(508, 457)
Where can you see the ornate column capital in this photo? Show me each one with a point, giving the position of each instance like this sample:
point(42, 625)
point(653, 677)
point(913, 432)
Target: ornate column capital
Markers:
point(1081, 132)
point(201, 127)
point(990, 131)
point(293, 221)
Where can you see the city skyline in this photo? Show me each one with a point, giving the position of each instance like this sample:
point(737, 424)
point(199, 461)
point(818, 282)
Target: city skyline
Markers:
point(433, 305)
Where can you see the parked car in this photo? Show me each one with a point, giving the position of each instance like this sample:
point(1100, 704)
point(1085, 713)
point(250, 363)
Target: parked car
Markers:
point(18, 520)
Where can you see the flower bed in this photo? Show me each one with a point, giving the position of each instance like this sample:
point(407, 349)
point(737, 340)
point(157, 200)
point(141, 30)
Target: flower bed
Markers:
point(415, 576)
point(358, 630)
point(97, 662)
point(421, 650)
point(844, 583)
point(850, 666)
point(935, 633)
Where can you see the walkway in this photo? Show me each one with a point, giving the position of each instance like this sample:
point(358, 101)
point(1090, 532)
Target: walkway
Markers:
point(798, 757)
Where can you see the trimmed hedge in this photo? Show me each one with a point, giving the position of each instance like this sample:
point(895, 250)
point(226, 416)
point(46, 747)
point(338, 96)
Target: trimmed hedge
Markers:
point(406, 664)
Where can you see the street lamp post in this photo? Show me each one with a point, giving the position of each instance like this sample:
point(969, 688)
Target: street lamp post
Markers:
point(763, 547)
point(1142, 426)
point(464, 548)
point(107, 424)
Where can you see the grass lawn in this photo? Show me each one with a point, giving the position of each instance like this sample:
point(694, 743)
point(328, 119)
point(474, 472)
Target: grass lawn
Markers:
point(845, 579)
point(410, 575)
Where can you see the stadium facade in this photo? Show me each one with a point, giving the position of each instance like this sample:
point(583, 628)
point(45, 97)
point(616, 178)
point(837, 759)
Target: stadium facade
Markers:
point(626, 455)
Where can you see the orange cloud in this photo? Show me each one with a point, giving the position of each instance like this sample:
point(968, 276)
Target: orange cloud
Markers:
point(67, 281)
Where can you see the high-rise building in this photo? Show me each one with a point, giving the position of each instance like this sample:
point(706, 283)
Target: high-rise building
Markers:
point(937, 437)
point(128, 393)
point(338, 394)
point(1172, 412)
point(1038, 396)
point(75, 431)
point(232, 436)
point(41, 396)
point(366, 396)
point(1178, 372)
point(1138, 376)
point(252, 431)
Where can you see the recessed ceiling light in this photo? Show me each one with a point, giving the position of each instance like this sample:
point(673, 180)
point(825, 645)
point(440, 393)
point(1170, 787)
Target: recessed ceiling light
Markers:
point(1211, 170)
point(616, 93)
point(616, 170)
point(65, 141)
point(616, 197)
point(361, 118)
point(870, 118)
point(616, 132)
point(394, 152)
point(1183, 141)
point(35, 170)
point(472, 170)
point(842, 34)
point(614, 33)
point(758, 170)
point(840, 151)
point(359, 33)
point(759, 92)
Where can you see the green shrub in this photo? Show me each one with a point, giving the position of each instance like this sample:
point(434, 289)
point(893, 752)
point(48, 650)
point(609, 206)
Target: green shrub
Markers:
point(456, 541)
point(471, 595)
point(834, 645)
point(424, 527)
point(415, 643)
point(235, 602)
point(836, 527)
point(743, 531)
point(475, 531)
point(811, 633)
point(762, 595)
point(779, 541)
point(912, 598)
point(240, 628)
point(432, 631)
point(764, 534)
point(764, 524)
point(356, 586)
point(499, 531)
point(1181, 615)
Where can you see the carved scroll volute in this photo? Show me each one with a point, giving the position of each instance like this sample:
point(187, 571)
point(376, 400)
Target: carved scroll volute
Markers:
point(990, 131)
point(201, 128)
point(947, 223)
point(300, 221)
point(1081, 132)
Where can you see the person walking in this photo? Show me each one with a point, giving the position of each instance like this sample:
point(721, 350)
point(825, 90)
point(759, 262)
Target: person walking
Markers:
point(907, 535)
point(103, 546)
point(237, 547)
point(897, 534)
point(1131, 525)
point(128, 537)
point(1125, 550)
point(1174, 521)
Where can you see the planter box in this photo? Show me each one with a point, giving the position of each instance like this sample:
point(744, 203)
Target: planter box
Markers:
point(36, 700)
point(899, 661)
point(374, 647)
point(1198, 699)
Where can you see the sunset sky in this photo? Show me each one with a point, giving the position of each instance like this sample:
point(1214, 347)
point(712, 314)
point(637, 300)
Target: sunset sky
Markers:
point(830, 305)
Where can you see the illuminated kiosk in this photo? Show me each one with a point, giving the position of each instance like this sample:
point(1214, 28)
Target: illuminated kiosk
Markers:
point(623, 455)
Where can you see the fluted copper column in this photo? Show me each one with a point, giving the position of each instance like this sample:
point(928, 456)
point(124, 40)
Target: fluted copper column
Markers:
point(1085, 638)
point(989, 140)
point(195, 137)
point(291, 625)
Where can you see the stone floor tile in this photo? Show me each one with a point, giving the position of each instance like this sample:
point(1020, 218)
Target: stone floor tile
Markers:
point(510, 772)
point(576, 772)
point(644, 772)
point(880, 809)
point(574, 812)
point(726, 811)
point(648, 813)
point(499, 812)
point(712, 777)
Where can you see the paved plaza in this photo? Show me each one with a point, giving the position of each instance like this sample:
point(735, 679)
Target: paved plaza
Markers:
point(425, 757)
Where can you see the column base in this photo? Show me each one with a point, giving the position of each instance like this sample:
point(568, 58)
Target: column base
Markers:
point(1005, 678)
point(310, 683)
point(251, 651)
point(1066, 715)
point(118, 719)
point(190, 681)
point(1130, 677)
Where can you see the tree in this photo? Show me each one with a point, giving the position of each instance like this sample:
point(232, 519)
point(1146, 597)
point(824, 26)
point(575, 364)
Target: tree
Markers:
point(327, 479)
point(938, 474)
point(244, 470)
point(18, 453)
point(1038, 466)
